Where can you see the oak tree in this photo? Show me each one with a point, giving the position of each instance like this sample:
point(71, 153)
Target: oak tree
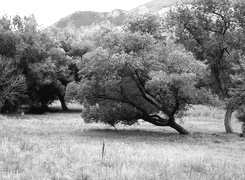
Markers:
point(214, 31)
point(131, 77)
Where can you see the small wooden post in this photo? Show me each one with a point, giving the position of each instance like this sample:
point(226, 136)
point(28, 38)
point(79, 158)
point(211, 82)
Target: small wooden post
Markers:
point(103, 149)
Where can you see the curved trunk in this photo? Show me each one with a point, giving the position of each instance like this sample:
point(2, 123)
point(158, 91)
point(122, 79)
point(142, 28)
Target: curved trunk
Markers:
point(158, 121)
point(62, 102)
point(178, 128)
point(227, 120)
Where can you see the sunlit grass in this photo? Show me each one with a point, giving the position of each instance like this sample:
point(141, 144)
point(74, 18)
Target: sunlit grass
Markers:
point(202, 111)
point(59, 146)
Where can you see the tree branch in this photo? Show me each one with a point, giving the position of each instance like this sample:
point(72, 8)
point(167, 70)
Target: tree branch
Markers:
point(226, 24)
point(148, 97)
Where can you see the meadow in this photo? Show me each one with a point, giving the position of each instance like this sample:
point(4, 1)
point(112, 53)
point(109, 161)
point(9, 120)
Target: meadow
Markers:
point(60, 146)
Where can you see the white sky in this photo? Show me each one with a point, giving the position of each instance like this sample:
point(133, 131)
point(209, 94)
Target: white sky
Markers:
point(48, 12)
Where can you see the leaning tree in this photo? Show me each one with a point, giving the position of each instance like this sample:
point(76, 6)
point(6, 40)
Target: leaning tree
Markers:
point(131, 77)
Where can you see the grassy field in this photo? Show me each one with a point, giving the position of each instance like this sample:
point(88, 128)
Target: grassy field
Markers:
point(59, 146)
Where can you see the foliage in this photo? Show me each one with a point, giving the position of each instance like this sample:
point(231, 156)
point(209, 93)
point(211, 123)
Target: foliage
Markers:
point(12, 85)
point(133, 73)
point(239, 88)
point(44, 65)
point(148, 23)
point(39, 57)
point(214, 31)
point(111, 113)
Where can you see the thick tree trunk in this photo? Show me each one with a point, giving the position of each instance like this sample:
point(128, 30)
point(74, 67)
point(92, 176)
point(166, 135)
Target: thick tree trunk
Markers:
point(63, 103)
point(178, 128)
point(44, 107)
point(227, 120)
point(158, 121)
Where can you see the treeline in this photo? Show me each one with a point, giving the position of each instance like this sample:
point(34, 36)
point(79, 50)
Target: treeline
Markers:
point(153, 68)
point(36, 65)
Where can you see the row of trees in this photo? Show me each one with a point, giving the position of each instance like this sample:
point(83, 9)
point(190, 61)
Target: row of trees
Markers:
point(214, 31)
point(153, 68)
point(35, 64)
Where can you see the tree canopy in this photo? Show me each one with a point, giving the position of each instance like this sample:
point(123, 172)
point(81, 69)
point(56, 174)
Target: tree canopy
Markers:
point(134, 77)
point(38, 57)
point(137, 71)
point(214, 31)
point(12, 85)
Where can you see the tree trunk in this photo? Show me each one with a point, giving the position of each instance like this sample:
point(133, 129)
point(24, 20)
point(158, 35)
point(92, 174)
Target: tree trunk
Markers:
point(227, 120)
point(44, 107)
point(63, 103)
point(158, 121)
point(178, 128)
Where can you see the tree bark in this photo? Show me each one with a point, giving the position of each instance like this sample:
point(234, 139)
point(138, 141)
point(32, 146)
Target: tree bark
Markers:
point(170, 122)
point(227, 120)
point(44, 107)
point(62, 102)
point(178, 128)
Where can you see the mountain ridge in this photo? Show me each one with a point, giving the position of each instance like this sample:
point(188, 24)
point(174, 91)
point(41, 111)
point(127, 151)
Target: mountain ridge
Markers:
point(158, 6)
point(153, 6)
point(116, 17)
point(86, 18)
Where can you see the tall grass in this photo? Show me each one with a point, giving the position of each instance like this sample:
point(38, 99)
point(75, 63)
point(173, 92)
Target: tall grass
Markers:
point(22, 159)
point(61, 147)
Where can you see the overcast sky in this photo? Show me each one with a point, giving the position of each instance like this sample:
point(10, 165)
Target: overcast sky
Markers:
point(49, 11)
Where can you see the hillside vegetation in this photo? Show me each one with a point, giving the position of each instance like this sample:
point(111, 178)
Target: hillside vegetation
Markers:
point(86, 18)
point(153, 6)
point(116, 17)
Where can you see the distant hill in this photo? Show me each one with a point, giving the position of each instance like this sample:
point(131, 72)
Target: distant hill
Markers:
point(117, 17)
point(157, 6)
point(86, 18)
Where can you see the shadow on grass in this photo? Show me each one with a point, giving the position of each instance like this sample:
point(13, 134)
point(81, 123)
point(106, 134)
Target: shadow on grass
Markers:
point(134, 134)
point(127, 132)
point(51, 111)
point(151, 136)
point(58, 110)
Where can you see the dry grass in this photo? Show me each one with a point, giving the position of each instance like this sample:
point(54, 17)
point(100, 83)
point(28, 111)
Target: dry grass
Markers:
point(59, 146)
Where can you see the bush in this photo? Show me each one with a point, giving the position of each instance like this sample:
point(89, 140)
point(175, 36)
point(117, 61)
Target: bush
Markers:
point(111, 113)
